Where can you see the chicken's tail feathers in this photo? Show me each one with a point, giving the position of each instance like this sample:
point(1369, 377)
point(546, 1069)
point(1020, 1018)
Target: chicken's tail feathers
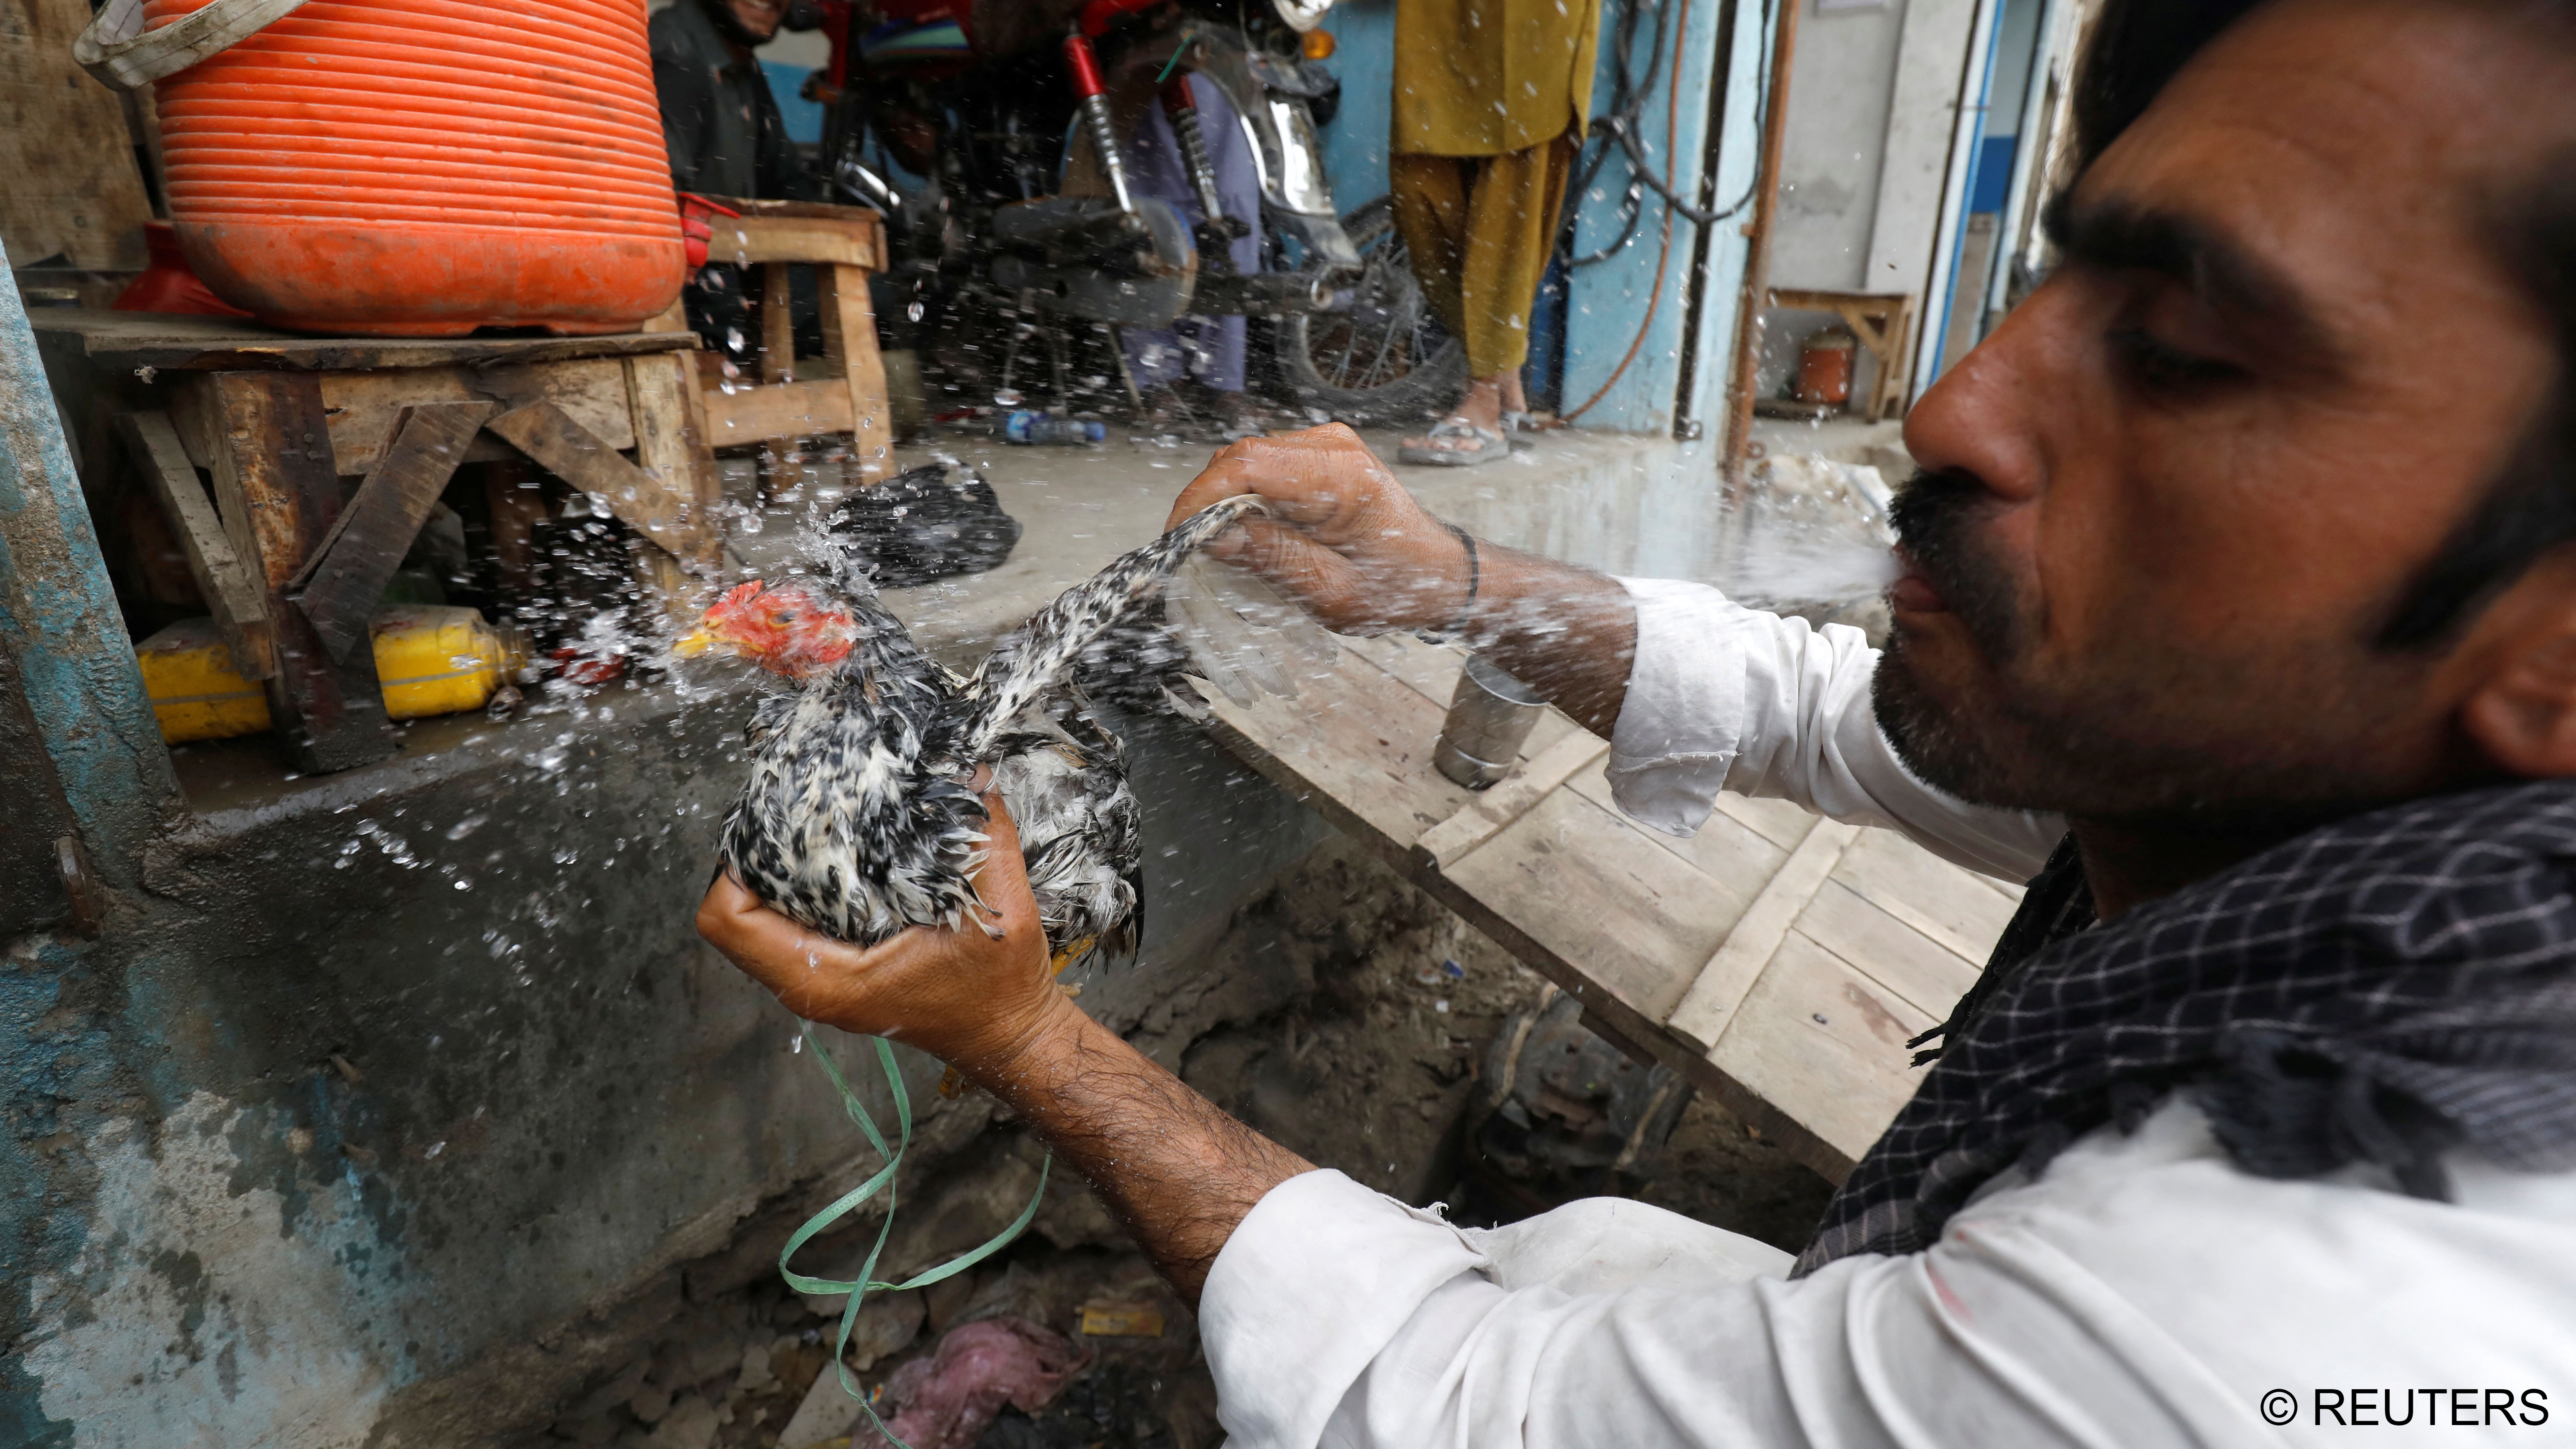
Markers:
point(1245, 638)
point(1034, 659)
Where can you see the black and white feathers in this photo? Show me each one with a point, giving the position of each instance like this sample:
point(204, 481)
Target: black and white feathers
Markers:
point(859, 819)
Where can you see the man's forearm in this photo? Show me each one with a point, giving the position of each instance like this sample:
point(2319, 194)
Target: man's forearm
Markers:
point(1176, 1171)
point(1567, 632)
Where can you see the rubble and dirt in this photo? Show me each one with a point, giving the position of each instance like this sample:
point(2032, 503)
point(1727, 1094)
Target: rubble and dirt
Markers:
point(1374, 1071)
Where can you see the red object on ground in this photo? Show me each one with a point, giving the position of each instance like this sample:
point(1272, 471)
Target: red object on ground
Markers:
point(426, 167)
point(586, 668)
point(1825, 368)
point(951, 1397)
point(167, 285)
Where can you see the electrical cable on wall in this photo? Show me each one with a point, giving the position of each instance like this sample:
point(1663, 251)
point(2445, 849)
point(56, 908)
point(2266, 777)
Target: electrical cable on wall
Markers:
point(1618, 127)
point(1627, 101)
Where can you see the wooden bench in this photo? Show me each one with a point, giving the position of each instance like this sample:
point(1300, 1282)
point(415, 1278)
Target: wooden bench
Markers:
point(843, 244)
point(290, 558)
point(1777, 960)
point(1884, 323)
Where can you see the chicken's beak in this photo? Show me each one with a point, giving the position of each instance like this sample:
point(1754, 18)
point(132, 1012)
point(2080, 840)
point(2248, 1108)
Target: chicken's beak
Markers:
point(695, 643)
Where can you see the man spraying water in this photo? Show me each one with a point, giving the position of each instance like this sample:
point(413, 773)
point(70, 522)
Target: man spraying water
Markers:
point(2238, 614)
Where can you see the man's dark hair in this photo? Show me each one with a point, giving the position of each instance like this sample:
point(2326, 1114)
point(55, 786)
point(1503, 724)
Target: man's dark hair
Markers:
point(2137, 47)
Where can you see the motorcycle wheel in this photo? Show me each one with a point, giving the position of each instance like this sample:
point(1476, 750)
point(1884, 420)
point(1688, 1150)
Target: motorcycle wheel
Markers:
point(1384, 359)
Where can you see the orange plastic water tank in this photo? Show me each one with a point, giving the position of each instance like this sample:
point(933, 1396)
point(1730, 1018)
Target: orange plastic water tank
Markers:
point(426, 167)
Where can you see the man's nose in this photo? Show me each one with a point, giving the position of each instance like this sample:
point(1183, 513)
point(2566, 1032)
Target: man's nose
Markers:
point(1990, 415)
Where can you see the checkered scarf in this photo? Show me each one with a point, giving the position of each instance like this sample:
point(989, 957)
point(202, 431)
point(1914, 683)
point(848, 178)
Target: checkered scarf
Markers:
point(2379, 990)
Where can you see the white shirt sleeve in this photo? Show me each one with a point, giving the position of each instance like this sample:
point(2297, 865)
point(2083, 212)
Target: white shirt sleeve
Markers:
point(2143, 1293)
point(1722, 697)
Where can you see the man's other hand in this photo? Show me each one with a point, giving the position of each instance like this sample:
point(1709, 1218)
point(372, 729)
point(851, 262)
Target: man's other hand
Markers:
point(975, 997)
point(1343, 536)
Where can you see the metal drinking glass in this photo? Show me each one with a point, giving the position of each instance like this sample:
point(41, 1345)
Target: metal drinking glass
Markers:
point(1489, 717)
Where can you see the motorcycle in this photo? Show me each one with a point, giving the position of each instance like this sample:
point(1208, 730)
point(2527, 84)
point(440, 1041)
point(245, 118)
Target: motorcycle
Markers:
point(1008, 115)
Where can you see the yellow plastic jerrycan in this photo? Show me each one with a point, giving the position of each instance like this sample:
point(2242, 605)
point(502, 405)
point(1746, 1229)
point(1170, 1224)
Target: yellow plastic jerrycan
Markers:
point(439, 659)
point(430, 659)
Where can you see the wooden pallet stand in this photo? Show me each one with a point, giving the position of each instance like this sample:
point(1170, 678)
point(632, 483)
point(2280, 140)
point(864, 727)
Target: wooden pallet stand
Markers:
point(1884, 323)
point(843, 244)
point(246, 436)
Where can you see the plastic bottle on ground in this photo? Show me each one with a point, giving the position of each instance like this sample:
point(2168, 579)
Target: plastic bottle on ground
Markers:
point(1029, 426)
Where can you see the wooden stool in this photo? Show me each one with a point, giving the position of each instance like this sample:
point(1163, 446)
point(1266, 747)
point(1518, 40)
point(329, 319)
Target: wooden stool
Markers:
point(291, 561)
point(1884, 323)
point(843, 244)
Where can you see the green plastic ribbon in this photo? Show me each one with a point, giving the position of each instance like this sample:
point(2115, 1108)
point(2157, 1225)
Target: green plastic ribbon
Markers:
point(1176, 58)
point(881, 1181)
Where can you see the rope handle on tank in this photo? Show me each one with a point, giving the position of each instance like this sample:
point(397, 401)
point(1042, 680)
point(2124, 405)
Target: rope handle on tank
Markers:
point(124, 56)
point(883, 1180)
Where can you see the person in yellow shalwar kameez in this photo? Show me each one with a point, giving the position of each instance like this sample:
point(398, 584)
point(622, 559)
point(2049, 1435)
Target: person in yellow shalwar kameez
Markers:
point(1490, 102)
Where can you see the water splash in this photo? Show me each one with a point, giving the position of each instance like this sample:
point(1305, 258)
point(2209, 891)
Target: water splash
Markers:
point(1815, 535)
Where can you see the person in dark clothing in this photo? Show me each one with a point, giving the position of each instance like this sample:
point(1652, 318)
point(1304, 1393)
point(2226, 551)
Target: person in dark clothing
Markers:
point(726, 138)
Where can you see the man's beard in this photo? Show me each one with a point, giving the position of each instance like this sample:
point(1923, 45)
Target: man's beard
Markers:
point(2153, 736)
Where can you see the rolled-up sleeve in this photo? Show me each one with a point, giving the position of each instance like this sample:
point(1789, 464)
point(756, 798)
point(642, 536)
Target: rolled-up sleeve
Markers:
point(1722, 697)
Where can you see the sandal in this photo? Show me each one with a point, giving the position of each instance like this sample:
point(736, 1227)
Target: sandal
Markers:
point(1489, 446)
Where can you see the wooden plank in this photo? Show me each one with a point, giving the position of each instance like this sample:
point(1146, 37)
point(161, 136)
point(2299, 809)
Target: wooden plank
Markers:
point(1705, 1010)
point(68, 182)
point(273, 473)
point(1827, 1042)
point(670, 444)
point(513, 502)
point(651, 506)
point(1569, 878)
point(771, 231)
point(850, 344)
point(1887, 949)
point(1356, 745)
point(777, 324)
point(342, 583)
point(121, 341)
point(365, 407)
point(238, 603)
point(1510, 798)
point(1432, 670)
point(1953, 905)
point(786, 410)
point(1725, 847)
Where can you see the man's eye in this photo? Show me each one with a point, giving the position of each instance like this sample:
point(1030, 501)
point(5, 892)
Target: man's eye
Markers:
point(2161, 367)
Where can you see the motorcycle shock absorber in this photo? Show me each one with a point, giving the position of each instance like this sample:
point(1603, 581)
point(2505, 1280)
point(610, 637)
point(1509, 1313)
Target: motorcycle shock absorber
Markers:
point(1089, 96)
point(1182, 109)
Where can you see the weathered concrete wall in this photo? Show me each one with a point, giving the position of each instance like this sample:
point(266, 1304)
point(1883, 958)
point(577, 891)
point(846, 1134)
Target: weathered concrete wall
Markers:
point(376, 1103)
point(1842, 82)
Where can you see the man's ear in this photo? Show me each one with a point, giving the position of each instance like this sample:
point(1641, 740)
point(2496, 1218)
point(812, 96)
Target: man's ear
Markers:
point(2523, 714)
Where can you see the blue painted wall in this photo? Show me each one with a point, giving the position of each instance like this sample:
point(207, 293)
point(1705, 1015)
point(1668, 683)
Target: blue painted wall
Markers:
point(1607, 302)
point(804, 118)
point(1355, 142)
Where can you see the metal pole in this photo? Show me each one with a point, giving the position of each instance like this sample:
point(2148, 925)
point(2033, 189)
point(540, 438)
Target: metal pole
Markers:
point(64, 632)
point(1757, 256)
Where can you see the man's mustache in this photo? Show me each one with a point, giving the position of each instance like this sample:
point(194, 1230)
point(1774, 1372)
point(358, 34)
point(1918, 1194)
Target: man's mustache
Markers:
point(1936, 517)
